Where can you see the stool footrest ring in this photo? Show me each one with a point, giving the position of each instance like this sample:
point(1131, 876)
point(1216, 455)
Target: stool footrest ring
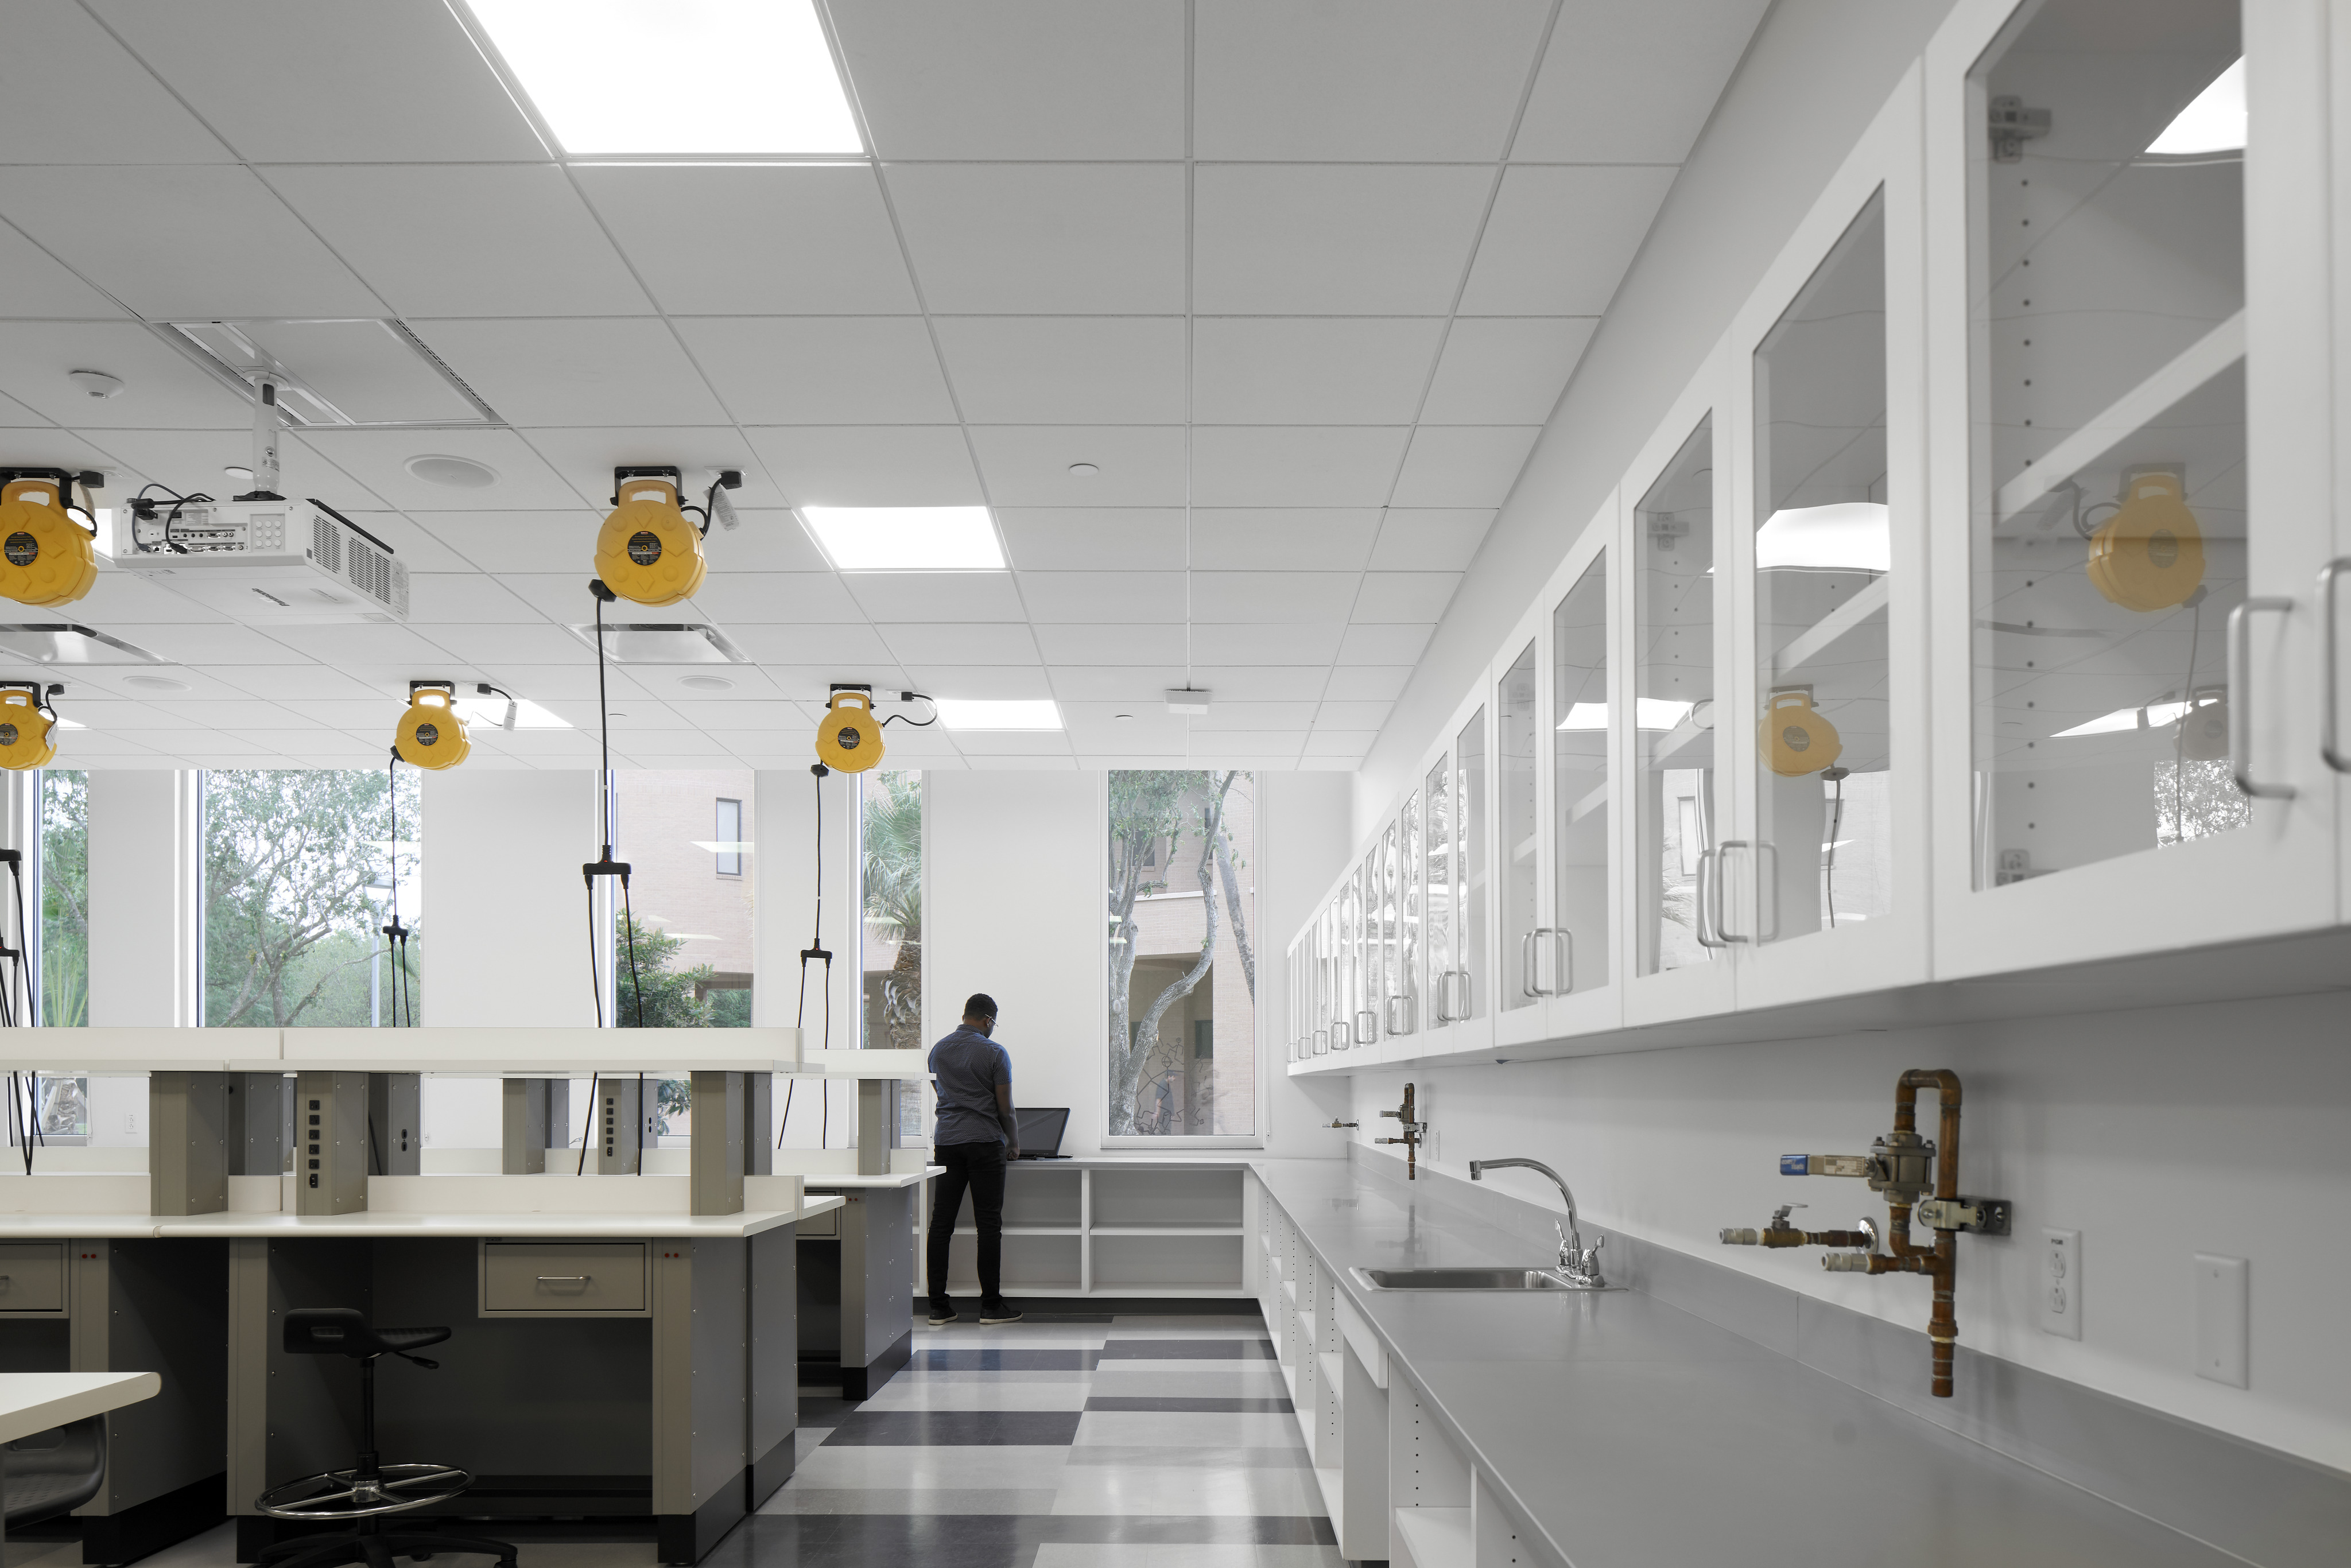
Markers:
point(352, 1494)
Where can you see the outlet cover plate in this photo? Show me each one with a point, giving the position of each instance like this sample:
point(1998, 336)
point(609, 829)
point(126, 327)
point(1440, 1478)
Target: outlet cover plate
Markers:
point(2223, 1320)
point(2060, 1283)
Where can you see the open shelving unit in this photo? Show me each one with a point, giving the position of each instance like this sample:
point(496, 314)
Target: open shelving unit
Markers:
point(1137, 1229)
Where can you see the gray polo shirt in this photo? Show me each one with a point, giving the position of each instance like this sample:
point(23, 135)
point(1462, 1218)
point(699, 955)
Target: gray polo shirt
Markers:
point(969, 1066)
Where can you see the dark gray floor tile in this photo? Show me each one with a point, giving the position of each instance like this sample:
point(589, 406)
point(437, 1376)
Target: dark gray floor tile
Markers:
point(1007, 1359)
point(928, 1428)
point(1186, 1402)
point(1187, 1350)
point(824, 1409)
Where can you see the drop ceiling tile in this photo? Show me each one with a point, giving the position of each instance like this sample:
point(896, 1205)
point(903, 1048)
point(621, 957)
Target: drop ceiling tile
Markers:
point(822, 369)
point(463, 598)
point(1028, 465)
point(522, 546)
point(1092, 596)
point(188, 461)
point(1333, 239)
point(1271, 596)
point(1367, 683)
point(1559, 239)
point(46, 117)
point(455, 240)
point(978, 743)
point(113, 716)
point(748, 683)
point(1088, 239)
point(1136, 687)
point(841, 643)
point(521, 481)
point(1362, 713)
point(1351, 743)
point(1405, 595)
point(33, 283)
point(791, 241)
point(1097, 539)
point(616, 371)
point(1250, 644)
point(360, 81)
point(1096, 725)
point(293, 686)
point(15, 415)
point(1392, 644)
point(981, 680)
point(586, 457)
point(339, 646)
point(727, 719)
point(1062, 369)
point(217, 643)
point(1114, 644)
point(485, 646)
point(563, 688)
point(1430, 539)
point(120, 602)
point(41, 447)
point(1271, 683)
point(1621, 86)
point(1300, 82)
point(418, 550)
point(1463, 466)
point(950, 596)
point(161, 389)
point(870, 465)
point(982, 763)
point(1283, 539)
point(933, 642)
point(220, 244)
point(768, 542)
point(1330, 369)
point(1295, 465)
point(1031, 79)
point(1505, 369)
point(769, 598)
point(1227, 715)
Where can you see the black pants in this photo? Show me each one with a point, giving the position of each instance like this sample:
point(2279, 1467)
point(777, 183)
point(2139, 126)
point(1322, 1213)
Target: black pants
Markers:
point(980, 1167)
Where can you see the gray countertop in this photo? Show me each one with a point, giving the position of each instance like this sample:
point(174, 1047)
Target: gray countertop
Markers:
point(1631, 1434)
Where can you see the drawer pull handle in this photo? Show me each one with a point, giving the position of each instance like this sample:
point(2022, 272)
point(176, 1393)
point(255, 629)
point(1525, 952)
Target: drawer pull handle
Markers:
point(578, 1279)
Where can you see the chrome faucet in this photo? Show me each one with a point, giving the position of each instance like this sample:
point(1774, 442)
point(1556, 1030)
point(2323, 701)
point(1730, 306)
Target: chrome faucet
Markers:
point(1578, 1264)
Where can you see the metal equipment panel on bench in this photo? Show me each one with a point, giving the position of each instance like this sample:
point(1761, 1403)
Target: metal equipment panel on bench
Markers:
point(32, 1277)
point(604, 1279)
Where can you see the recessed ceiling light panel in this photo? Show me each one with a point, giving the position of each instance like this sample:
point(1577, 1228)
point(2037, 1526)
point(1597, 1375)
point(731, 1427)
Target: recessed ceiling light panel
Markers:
point(906, 538)
point(619, 78)
point(991, 713)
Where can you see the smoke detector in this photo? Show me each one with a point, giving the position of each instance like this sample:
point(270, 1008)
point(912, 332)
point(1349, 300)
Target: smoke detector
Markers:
point(96, 383)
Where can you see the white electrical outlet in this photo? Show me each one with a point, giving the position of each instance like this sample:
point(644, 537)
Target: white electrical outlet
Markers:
point(2223, 1320)
point(2060, 1283)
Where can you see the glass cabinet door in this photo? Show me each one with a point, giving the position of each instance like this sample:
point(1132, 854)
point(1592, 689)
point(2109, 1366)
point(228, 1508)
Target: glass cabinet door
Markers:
point(1674, 707)
point(1351, 951)
point(1406, 864)
point(2110, 519)
point(1821, 586)
point(1516, 719)
point(1391, 904)
point(1326, 980)
point(1439, 880)
point(1579, 930)
point(1469, 884)
point(1377, 919)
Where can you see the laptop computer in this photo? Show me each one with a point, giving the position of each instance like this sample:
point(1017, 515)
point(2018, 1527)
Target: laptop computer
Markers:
point(1041, 1133)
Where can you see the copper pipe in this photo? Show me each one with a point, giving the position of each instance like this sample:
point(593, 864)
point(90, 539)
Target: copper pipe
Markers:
point(1943, 1325)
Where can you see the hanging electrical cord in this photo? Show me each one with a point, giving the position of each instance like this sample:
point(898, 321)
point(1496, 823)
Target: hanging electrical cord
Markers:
point(1837, 776)
point(2186, 707)
point(604, 865)
point(915, 723)
point(396, 935)
point(588, 1128)
point(815, 949)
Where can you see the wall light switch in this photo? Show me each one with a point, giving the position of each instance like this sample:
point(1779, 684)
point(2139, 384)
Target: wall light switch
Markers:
point(2060, 1283)
point(2223, 1320)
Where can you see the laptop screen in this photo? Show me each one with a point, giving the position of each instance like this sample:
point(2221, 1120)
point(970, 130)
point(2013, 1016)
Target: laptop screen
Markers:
point(1041, 1130)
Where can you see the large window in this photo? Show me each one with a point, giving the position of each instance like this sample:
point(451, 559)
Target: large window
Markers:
point(688, 839)
point(890, 862)
point(1183, 965)
point(65, 899)
point(301, 869)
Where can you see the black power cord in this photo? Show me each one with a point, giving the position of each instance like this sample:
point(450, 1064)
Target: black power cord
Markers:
point(604, 865)
point(1836, 776)
point(815, 949)
point(395, 934)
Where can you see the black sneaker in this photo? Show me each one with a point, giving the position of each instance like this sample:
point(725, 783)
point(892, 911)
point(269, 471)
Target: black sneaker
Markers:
point(941, 1316)
point(1001, 1313)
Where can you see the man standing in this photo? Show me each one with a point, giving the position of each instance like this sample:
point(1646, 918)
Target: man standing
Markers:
point(976, 1131)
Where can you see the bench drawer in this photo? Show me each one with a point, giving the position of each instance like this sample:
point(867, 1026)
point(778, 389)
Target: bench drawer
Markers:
point(563, 1278)
point(32, 1276)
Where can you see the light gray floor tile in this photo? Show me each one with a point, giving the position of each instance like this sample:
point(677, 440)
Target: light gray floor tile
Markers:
point(796, 1499)
point(966, 1466)
point(1005, 1394)
point(1189, 1429)
point(1154, 1555)
point(974, 1375)
point(1152, 1488)
point(1292, 1457)
point(1185, 1363)
point(1228, 1380)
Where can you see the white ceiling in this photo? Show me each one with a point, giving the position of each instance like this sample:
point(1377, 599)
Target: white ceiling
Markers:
point(1302, 280)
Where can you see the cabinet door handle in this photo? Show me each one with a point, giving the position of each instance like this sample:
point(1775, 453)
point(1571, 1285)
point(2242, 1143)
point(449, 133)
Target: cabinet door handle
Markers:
point(1527, 962)
point(2240, 712)
point(1722, 875)
point(1564, 974)
point(1709, 923)
point(1367, 1025)
point(2330, 740)
point(1764, 847)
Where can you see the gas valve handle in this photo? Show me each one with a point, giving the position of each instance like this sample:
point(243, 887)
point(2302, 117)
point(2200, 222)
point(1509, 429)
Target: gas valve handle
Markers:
point(1827, 1165)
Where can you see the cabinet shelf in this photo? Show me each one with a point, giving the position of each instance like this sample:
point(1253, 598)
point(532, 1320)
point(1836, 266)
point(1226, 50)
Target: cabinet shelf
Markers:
point(1437, 1537)
point(1232, 1230)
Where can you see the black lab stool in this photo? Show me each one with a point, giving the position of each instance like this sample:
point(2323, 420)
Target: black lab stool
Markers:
point(368, 1490)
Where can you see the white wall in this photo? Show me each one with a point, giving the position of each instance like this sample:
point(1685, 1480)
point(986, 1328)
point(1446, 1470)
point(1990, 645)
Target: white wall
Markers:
point(2158, 1134)
point(1015, 907)
point(146, 870)
point(508, 943)
point(784, 805)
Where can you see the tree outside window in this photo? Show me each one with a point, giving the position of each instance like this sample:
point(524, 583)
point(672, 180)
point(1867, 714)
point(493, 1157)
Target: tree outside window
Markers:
point(892, 865)
point(65, 899)
point(1182, 1033)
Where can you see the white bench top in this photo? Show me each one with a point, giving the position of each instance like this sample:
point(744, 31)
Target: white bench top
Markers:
point(34, 1402)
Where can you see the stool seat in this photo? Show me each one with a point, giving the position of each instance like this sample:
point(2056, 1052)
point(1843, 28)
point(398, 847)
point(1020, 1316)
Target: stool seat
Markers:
point(345, 1330)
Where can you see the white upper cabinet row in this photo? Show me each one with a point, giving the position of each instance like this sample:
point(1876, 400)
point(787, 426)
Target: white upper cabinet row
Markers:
point(1970, 613)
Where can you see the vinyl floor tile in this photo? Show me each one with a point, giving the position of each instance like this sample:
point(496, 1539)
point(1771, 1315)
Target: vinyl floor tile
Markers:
point(1292, 1457)
point(1171, 1429)
point(1196, 1380)
point(1006, 1358)
point(1119, 1348)
point(996, 1428)
point(1169, 1488)
point(910, 1500)
point(1142, 1554)
point(904, 1393)
point(969, 1466)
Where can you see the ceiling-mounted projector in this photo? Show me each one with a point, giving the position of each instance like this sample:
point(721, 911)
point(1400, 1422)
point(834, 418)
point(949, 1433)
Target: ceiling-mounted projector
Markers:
point(273, 562)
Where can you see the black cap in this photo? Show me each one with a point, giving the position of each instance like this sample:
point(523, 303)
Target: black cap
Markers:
point(980, 1005)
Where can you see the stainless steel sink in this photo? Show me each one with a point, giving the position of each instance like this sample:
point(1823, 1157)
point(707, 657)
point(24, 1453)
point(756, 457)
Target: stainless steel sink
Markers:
point(1537, 1279)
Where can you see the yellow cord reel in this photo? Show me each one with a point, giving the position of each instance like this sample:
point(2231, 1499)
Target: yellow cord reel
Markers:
point(1796, 740)
point(2151, 554)
point(432, 733)
point(26, 729)
point(647, 551)
point(849, 738)
point(45, 557)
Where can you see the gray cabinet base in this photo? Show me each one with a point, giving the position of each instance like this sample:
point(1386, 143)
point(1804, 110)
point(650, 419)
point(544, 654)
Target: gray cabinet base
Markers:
point(684, 1538)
